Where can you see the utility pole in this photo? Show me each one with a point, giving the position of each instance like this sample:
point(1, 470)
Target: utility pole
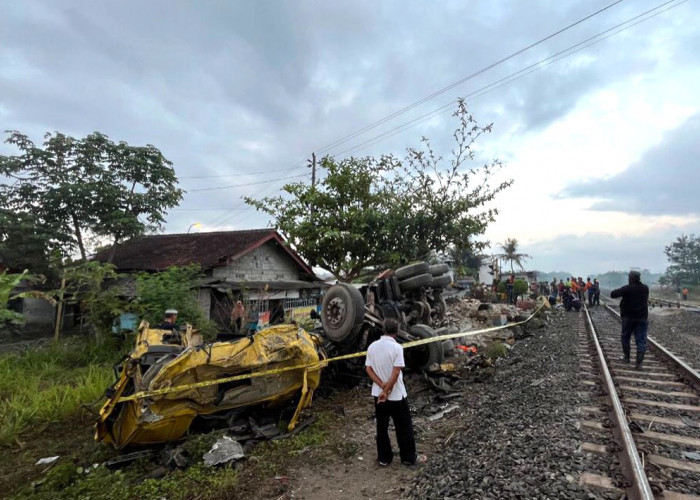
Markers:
point(312, 164)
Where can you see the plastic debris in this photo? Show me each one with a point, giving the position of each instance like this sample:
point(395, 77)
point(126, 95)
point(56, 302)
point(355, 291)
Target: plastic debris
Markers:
point(442, 413)
point(47, 460)
point(225, 450)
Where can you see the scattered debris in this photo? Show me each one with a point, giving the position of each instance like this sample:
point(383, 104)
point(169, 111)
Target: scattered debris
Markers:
point(442, 413)
point(47, 460)
point(693, 455)
point(225, 450)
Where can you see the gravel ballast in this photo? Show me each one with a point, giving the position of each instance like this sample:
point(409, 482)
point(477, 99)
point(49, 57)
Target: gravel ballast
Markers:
point(520, 439)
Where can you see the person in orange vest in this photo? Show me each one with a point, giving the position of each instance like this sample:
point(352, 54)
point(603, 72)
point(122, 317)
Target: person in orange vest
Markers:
point(590, 289)
point(685, 293)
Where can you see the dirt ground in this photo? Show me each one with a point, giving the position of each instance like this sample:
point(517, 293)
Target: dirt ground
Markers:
point(345, 466)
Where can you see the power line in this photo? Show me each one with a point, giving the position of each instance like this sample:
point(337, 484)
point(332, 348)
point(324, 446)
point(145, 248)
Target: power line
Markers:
point(236, 175)
point(517, 75)
point(521, 73)
point(401, 111)
point(243, 185)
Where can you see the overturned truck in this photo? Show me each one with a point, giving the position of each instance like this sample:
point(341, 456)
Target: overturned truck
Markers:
point(353, 317)
point(171, 377)
point(163, 359)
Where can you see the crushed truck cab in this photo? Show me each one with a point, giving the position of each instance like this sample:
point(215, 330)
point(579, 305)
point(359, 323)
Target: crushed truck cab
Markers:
point(163, 360)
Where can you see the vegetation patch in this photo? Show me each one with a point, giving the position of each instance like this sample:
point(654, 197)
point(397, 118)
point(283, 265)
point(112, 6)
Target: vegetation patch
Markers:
point(50, 384)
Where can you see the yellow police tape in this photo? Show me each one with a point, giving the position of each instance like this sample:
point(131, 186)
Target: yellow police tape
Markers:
point(321, 363)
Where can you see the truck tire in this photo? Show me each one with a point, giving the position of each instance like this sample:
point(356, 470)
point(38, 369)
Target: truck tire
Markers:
point(412, 270)
point(422, 357)
point(441, 281)
point(342, 312)
point(416, 282)
point(438, 269)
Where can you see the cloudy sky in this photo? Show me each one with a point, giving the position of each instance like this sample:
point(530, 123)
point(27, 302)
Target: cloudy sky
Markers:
point(599, 133)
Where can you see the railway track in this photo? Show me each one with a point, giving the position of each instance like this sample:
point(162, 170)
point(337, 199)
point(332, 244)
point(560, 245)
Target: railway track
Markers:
point(643, 425)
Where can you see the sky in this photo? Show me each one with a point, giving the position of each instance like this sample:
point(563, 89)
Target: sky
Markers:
point(601, 140)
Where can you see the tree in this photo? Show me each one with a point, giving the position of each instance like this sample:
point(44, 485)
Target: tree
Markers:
point(174, 288)
point(465, 260)
point(368, 212)
point(71, 188)
point(510, 253)
point(684, 257)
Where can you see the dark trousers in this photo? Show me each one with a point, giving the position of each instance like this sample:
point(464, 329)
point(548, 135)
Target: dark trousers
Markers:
point(399, 412)
point(590, 298)
point(638, 327)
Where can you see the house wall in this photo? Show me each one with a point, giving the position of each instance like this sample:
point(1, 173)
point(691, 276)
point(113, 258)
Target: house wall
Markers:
point(204, 301)
point(267, 262)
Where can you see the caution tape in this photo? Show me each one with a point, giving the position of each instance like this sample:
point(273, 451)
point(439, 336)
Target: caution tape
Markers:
point(319, 365)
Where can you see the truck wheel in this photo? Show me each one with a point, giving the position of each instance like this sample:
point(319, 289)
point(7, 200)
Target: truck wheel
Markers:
point(422, 357)
point(342, 312)
point(412, 270)
point(416, 282)
point(438, 269)
point(441, 281)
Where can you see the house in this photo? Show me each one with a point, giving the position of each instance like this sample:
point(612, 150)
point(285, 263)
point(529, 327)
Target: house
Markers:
point(256, 266)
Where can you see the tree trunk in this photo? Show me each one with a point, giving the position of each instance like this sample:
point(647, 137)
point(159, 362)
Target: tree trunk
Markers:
point(59, 308)
point(113, 250)
point(79, 236)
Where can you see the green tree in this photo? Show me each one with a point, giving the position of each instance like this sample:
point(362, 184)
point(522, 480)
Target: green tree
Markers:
point(510, 253)
point(175, 288)
point(91, 285)
point(368, 212)
point(684, 258)
point(72, 188)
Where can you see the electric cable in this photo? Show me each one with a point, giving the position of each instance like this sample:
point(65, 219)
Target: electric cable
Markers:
point(405, 109)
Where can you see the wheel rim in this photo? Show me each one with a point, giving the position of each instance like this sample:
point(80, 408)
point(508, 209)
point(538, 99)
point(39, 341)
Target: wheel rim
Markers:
point(337, 312)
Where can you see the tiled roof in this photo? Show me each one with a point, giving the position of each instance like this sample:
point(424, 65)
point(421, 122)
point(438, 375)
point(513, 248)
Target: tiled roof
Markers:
point(156, 253)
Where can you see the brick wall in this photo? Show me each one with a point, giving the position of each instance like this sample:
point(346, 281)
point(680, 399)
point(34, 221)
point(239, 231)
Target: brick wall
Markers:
point(268, 262)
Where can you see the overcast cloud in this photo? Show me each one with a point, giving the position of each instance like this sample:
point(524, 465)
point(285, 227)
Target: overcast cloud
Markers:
point(251, 89)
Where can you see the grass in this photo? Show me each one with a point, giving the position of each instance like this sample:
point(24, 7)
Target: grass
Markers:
point(46, 385)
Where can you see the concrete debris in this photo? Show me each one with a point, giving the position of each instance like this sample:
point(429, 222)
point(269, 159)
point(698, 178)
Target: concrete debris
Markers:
point(225, 450)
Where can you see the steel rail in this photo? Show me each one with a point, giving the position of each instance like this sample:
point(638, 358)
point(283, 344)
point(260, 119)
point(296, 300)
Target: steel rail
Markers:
point(630, 461)
point(684, 369)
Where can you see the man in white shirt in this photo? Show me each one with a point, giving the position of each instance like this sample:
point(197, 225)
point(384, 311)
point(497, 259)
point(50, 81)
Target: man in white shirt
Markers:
point(383, 364)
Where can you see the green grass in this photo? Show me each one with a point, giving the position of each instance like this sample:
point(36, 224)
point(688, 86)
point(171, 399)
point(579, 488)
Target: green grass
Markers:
point(45, 385)
point(66, 481)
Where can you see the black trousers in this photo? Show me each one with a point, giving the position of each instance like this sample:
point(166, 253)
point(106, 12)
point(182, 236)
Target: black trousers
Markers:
point(400, 413)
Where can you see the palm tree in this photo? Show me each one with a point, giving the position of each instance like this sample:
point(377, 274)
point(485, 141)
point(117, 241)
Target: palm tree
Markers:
point(510, 253)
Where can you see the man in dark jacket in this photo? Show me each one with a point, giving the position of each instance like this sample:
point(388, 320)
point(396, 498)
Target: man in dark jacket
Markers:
point(634, 312)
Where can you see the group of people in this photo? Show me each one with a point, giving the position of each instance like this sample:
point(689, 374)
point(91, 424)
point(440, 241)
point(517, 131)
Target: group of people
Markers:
point(572, 292)
point(679, 292)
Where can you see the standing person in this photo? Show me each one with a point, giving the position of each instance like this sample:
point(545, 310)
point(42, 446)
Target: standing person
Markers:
point(596, 292)
point(678, 293)
point(554, 288)
point(634, 313)
point(510, 289)
point(685, 293)
point(590, 290)
point(238, 316)
point(581, 289)
point(383, 365)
